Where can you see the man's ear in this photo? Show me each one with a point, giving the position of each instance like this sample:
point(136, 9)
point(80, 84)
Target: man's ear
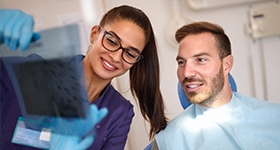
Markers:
point(228, 63)
point(93, 34)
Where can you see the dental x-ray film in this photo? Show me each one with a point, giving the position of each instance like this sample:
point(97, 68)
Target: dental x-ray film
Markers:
point(48, 80)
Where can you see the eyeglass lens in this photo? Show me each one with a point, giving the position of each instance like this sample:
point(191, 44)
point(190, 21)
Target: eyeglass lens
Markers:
point(111, 43)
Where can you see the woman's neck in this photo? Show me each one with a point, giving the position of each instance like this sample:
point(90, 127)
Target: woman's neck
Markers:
point(93, 84)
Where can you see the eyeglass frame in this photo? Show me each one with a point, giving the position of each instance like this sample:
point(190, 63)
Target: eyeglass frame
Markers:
point(123, 49)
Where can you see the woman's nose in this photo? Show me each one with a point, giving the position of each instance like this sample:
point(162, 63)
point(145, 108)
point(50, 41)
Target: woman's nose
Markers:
point(116, 56)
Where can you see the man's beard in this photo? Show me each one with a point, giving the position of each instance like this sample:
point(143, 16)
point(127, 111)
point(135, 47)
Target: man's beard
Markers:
point(208, 96)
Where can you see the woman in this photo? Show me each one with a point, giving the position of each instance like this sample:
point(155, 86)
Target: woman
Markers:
point(127, 30)
point(123, 41)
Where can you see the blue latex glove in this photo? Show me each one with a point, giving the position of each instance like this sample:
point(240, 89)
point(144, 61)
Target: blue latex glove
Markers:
point(16, 29)
point(67, 141)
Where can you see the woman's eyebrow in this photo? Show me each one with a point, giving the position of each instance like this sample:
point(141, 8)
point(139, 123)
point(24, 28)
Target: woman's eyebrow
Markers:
point(135, 49)
point(112, 32)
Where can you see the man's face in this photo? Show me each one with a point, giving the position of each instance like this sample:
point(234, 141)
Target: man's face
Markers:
point(200, 69)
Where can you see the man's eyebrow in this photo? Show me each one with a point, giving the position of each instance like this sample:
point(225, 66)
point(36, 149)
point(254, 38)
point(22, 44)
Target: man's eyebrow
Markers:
point(179, 57)
point(196, 55)
point(201, 54)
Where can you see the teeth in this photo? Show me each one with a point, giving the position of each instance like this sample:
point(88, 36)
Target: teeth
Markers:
point(192, 86)
point(108, 64)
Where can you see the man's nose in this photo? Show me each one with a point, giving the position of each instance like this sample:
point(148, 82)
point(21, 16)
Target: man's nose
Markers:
point(189, 70)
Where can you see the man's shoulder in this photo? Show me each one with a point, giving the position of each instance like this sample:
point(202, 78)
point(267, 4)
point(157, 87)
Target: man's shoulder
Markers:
point(255, 102)
point(176, 132)
point(180, 121)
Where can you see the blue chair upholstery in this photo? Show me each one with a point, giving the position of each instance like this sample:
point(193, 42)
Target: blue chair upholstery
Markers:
point(149, 146)
point(185, 103)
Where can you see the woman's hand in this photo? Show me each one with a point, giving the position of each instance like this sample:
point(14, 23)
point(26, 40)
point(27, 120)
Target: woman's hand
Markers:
point(69, 141)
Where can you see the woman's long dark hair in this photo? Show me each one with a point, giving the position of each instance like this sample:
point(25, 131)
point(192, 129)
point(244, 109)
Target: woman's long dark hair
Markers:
point(144, 75)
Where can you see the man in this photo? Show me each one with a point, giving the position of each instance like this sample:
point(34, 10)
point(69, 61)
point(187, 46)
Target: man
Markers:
point(218, 118)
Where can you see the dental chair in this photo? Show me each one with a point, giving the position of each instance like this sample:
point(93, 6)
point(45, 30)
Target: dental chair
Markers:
point(185, 103)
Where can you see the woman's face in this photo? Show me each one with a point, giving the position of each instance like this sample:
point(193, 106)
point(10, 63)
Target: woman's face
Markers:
point(106, 64)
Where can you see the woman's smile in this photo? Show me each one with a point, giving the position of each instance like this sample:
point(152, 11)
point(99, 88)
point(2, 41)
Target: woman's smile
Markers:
point(107, 65)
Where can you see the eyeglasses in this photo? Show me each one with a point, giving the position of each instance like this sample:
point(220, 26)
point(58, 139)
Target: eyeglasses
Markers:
point(112, 44)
